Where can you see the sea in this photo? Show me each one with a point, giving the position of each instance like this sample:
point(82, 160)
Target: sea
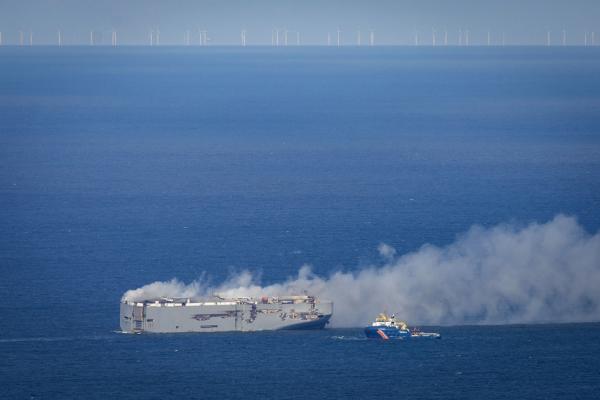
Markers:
point(124, 166)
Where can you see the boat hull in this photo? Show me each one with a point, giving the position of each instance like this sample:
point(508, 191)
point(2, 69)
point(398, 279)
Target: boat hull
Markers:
point(174, 317)
point(372, 332)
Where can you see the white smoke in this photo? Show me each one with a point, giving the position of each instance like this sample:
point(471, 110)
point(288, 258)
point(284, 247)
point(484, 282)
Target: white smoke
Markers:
point(506, 274)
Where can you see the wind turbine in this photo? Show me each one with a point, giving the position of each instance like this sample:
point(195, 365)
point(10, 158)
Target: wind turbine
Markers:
point(339, 38)
point(285, 37)
point(371, 37)
point(297, 38)
point(433, 37)
point(489, 39)
point(358, 38)
point(328, 39)
point(157, 37)
point(59, 38)
point(467, 37)
point(564, 38)
point(593, 38)
point(0, 38)
point(445, 38)
point(460, 37)
point(30, 38)
point(548, 42)
point(20, 38)
point(416, 38)
point(114, 38)
point(91, 38)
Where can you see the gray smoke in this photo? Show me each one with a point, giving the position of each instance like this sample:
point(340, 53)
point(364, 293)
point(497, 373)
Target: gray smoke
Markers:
point(506, 274)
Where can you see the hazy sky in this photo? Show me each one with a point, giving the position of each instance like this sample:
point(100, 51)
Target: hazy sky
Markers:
point(395, 22)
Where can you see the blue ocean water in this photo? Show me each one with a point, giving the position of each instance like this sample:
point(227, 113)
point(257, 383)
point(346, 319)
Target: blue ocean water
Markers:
point(124, 166)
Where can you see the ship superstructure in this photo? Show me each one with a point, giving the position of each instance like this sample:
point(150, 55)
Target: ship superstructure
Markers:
point(170, 315)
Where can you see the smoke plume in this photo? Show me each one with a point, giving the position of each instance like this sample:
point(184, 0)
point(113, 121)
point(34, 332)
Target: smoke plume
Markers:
point(506, 274)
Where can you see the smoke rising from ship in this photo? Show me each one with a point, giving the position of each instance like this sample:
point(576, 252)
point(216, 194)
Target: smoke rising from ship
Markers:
point(546, 272)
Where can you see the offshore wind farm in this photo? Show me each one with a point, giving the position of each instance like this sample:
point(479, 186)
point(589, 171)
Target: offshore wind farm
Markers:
point(285, 37)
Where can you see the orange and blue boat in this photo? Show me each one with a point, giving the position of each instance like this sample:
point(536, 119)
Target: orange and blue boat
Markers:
point(385, 328)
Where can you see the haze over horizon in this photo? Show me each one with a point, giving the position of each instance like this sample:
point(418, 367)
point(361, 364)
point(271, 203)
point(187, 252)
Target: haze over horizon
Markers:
point(394, 22)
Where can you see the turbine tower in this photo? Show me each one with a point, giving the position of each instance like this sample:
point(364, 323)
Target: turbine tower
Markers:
point(564, 38)
point(243, 36)
point(297, 38)
point(113, 39)
point(489, 39)
point(446, 38)
point(285, 37)
point(339, 38)
point(433, 37)
point(358, 38)
point(460, 37)
point(371, 37)
point(416, 38)
point(467, 37)
point(59, 38)
point(20, 38)
point(328, 39)
point(548, 42)
point(91, 38)
point(30, 38)
point(593, 38)
point(0, 38)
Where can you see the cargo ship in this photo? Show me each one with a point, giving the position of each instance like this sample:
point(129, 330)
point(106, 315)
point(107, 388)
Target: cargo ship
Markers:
point(172, 315)
point(386, 328)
